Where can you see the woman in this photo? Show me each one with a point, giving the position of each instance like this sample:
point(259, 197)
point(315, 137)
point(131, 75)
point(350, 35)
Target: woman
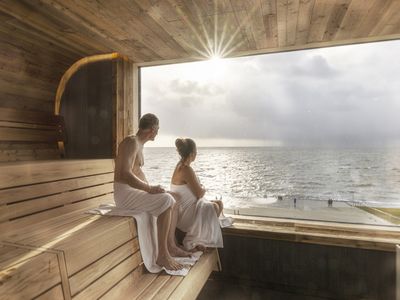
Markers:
point(197, 216)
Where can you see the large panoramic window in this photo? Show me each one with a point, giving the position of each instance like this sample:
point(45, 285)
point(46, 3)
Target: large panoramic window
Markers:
point(311, 134)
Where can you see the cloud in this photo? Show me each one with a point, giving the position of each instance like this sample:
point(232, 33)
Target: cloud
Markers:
point(338, 96)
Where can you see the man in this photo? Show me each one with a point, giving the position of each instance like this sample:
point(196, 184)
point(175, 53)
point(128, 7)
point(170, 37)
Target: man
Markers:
point(132, 191)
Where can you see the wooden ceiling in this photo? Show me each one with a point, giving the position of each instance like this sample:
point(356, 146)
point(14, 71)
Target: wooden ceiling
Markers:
point(155, 31)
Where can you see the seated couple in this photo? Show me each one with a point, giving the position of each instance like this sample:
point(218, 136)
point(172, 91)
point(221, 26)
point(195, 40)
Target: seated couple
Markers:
point(183, 207)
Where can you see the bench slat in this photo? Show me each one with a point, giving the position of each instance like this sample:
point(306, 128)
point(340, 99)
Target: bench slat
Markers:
point(192, 284)
point(13, 227)
point(31, 277)
point(128, 287)
point(106, 282)
point(53, 294)
point(87, 276)
point(168, 288)
point(154, 287)
point(91, 242)
point(28, 173)
point(36, 205)
point(45, 237)
point(38, 190)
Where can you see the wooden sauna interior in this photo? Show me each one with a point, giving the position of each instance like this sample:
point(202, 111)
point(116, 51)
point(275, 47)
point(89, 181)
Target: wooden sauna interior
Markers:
point(70, 92)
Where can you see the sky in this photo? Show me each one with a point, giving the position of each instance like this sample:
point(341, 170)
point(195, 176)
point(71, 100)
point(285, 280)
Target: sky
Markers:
point(339, 96)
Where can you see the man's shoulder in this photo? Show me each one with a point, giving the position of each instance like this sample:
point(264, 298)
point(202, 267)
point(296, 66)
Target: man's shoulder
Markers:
point(131, 139)
point(129, 142)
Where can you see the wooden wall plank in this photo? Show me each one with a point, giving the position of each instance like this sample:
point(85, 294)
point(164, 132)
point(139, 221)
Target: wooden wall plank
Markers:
point(29, 135)
point(24, 208)
point(26, 116)
point(40, 190)
point(24, 173)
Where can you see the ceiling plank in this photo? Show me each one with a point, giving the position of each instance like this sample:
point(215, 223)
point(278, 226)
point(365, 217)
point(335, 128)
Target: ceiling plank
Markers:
point(292, 21)
point(269, 12)
point(356, 11)
point(319, 20)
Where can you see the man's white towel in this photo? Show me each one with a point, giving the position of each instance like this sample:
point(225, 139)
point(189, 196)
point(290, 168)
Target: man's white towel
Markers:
point(147, 234)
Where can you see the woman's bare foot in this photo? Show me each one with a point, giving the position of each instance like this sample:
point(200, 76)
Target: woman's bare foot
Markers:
point(200, 248)
point(169, 263)
point(178, 252)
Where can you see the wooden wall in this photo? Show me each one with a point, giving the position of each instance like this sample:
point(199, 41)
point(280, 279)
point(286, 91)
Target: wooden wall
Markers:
point(32, 63)
point(311, 270)
point(126, 99)
point(31, 67)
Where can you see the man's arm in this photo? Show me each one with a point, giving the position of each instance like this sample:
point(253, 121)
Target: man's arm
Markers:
point(128, 151)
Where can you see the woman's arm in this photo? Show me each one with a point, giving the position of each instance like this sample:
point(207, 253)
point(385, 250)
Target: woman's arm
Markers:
point(193, 183)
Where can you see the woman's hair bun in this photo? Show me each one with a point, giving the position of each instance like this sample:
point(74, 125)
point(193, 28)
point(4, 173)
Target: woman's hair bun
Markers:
point(179, 143)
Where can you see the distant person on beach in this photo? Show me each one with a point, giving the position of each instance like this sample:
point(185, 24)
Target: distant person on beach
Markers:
point(197, 216)
point(133, 192)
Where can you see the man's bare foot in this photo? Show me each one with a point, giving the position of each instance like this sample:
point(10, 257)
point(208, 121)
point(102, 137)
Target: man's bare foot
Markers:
point(169, 263)
point(178, 252)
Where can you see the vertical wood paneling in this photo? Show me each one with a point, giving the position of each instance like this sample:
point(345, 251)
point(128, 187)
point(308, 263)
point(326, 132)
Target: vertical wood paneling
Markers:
point(126, 99)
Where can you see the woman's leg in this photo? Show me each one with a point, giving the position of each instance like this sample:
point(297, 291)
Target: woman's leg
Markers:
point(164, 258)
point(172, 246)
point(218, 206)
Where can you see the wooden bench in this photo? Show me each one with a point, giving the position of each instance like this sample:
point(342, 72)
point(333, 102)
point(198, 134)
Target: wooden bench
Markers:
point(51, 249)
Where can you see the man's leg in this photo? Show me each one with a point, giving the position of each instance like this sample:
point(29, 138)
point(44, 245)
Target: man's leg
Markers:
point(164, 258)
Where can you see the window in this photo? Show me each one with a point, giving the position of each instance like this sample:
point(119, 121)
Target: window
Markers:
point(311, 134)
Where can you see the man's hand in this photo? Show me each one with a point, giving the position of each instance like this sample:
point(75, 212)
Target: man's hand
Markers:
point(155, 189)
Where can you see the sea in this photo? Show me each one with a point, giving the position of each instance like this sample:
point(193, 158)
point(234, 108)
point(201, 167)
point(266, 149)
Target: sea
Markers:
point(245, 177)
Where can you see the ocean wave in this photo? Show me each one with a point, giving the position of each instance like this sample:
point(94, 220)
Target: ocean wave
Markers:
point(364, 185)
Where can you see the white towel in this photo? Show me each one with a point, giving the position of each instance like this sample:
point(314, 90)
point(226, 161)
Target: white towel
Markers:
point(147, 234)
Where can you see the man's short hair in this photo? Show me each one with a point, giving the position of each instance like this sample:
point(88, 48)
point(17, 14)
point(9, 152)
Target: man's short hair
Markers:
point(148, 121)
